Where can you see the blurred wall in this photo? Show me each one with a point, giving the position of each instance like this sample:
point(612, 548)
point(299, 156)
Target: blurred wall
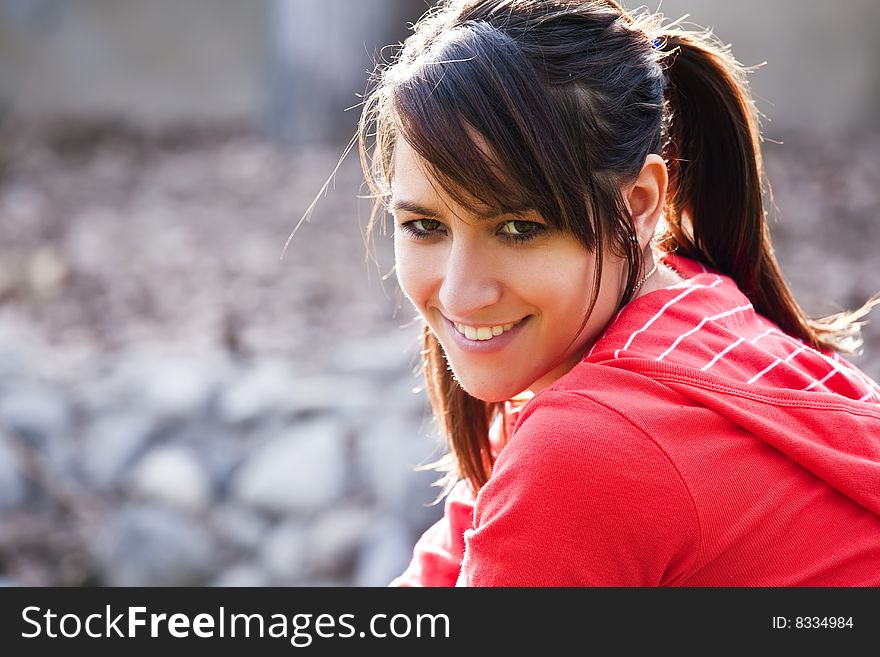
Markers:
point(157, 61)
point(289, 66)
point(293, 66)
point(321, 53)
point(821, 57)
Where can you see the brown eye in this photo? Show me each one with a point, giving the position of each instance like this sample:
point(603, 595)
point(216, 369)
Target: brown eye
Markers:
point(426, 225)
point(518, 229)
point(423, 228)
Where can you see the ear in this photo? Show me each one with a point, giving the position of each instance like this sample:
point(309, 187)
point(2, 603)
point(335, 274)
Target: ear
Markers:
point(646, 197)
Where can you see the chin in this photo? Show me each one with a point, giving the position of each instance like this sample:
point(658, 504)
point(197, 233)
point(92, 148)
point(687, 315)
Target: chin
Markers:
point(488, 392)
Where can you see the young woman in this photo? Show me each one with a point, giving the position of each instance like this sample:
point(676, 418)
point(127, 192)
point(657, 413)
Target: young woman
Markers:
point(631, 395)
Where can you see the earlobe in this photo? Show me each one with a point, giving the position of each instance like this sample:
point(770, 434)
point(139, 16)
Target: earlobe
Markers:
point(646, 197)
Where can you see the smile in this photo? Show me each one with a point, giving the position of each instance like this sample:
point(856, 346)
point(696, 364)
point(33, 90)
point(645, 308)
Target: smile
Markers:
point(483, 332)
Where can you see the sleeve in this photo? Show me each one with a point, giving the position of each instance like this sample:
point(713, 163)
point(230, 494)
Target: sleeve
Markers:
point(580, 496)
point(437, 555)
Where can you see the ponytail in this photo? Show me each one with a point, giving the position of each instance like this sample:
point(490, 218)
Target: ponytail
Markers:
point(715, 210)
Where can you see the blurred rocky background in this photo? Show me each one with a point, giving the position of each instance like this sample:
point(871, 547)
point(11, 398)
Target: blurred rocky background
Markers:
point(181, 405)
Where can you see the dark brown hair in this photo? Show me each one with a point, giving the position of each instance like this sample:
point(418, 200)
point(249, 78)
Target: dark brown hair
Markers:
point(570, 96)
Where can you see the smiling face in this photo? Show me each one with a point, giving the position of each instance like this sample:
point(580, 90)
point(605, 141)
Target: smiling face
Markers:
point(505, 295)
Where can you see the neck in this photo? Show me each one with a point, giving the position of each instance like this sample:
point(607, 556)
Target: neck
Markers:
point(662, 278)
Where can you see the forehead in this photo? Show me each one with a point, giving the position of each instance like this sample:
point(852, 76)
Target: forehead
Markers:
point(411, 178)
point(415, 188)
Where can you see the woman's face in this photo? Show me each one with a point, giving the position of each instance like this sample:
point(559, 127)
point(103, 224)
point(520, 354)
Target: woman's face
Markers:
point(505, 296)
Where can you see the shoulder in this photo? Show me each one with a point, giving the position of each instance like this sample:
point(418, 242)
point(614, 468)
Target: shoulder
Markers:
point(590, 435)
point(586, 488)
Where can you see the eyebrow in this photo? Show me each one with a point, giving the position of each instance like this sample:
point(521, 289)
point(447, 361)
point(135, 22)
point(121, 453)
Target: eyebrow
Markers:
point(416, 208)
point(413, 207)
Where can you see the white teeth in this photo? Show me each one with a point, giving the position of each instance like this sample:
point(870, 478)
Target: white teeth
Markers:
point(484, 332)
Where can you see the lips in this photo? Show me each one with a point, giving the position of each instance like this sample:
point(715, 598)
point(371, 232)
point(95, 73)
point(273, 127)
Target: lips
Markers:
point(491, 344)
point(483, 332)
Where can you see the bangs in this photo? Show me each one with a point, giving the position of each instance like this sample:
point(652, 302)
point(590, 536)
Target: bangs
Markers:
point(473, 108)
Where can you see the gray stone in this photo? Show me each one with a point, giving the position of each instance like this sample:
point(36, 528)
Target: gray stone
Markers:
point(283, 554)
point(388, 454)
point(348, 394)
point(384, 353)
point(272, 389)
point(238, 526)
point(334, 537)
point(172, 474)
point(13, 485)
point(40, 414)
point(111, 444)
point(18, 350)
point(164, 384)
point(300, 471)
point(261, 391)
point(177, 388)
point(6, 582)
point(407, 398)
point(243, 574)
point(385, 554)
point(150, 545)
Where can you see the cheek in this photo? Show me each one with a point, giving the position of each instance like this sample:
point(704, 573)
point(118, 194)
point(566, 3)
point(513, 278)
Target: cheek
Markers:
point(565, 286)
point(563, 289)
point(413, 271)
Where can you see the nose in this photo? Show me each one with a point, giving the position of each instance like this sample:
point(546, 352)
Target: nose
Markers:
point(471, 282)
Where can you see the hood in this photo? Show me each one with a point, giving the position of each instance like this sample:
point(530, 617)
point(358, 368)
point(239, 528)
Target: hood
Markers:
point(704, 340)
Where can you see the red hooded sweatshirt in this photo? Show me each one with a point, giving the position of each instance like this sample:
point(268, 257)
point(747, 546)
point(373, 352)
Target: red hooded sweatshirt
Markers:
point(695, 445)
